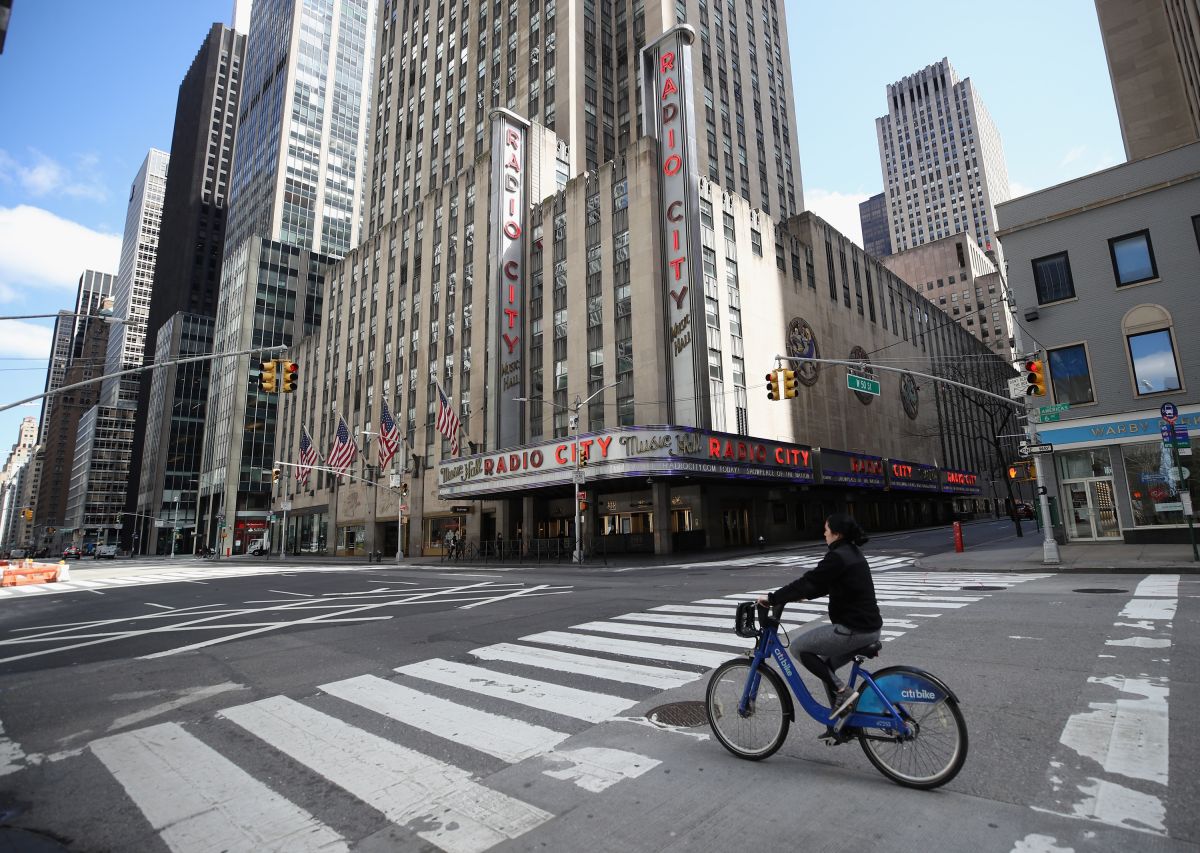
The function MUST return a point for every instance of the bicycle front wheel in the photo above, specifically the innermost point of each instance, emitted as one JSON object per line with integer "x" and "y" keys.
{"x": 934, "y": 749}
{"x": 763, "y": 728}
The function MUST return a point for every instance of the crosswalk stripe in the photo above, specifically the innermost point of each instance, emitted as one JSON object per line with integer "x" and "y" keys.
{"x": 697, "y": 621}
{"x": 506, "y": 738}
{"x": 556, "y": 698}
{"x": 712, "y": 638}
{"x": 458, "y": 814}
{"x": 199, "y": 801}
{"x": 629, "y": 648}
{"x": 607, "y": 669}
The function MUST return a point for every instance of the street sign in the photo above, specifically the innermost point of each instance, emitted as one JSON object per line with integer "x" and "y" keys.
{"x": 863, "y": 384}
{"x": 1049, "y": 417}
{"x": 1169, "y": 412}
{"x": 1036, "y": 449}
{"x": 286, "y": 506}
{"x": 1016, "y": 387}
{"x": 404, "y": 507}
{"x": 1050, "y": 410}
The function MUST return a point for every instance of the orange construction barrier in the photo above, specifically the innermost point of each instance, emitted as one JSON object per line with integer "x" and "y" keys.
{"x": 29, "y": 572}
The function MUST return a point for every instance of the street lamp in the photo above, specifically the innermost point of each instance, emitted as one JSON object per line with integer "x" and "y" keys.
{"x": 175, "y": 519}
{"x": 580, "y": 477}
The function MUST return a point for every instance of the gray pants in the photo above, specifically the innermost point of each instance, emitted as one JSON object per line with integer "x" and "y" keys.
{"x": 835, "y": 643}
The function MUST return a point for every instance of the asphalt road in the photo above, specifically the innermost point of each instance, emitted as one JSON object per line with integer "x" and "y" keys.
{"x": 267, "y": 712}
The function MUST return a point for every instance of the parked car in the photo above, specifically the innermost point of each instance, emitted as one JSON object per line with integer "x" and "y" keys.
{"x": 17, "y": 554}
{"x": 72, "y": 552}
{"x": 1025, "y": 510}
{"x": 107, "y": 552}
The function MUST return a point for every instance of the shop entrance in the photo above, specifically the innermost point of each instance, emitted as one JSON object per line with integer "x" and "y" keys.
{"x": 736, "y": 523}
{"x": 1091, "y": 510}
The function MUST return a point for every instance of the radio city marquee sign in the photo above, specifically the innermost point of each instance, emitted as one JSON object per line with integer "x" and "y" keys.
{"x": 631, "y": 451}
{"x": 913, "y": 476}
{"x": 851, "y": 469}
{"x": 507, "y": 291}
{"x": 668, "y": 115}
{"x": 960, "y": 482}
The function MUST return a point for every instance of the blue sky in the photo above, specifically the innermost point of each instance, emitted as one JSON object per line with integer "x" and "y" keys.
{"x": 88, "y": 88}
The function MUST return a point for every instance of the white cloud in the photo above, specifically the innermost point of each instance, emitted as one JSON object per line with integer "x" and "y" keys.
{"x": 839, "y": 209}
{"x": 1073, "y": 154}
{"x": 1016, "y": 189}
{"x": 41, "y": 250}
{"x": 25, "y": 340}
{"x": 45, "y": 176}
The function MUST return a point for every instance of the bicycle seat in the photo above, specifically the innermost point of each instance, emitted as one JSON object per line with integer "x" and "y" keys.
{"x": 871, "y": 651}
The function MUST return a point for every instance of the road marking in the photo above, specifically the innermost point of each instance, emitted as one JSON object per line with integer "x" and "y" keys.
{"x": 199, "y": 801}
{"x": 696, "y": 621}
{"x": 185, "y": 697}
{"x": 712, "y": 638}
{"x": 443, "y": 803}
{"x": 162, "y": 606}
{"x": 595, "y": 769}
{"x": 630, "y": 648}
{"x": 605, "y": 668}
{"x": 556, "y": 698}
{"x": 506, "y": 738}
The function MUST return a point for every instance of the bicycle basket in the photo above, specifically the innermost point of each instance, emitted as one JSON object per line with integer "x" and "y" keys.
{"x": 743, "y": 624}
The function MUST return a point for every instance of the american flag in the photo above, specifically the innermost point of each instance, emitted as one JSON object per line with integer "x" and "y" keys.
{"x": 343, "y": 451}
{"x": 448, "y": 423}
{"x": 308, "y": 458}
{"x": 389, "y": 437}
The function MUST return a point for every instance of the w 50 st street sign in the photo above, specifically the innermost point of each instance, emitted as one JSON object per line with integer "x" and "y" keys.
{"x": 863, "y": 384}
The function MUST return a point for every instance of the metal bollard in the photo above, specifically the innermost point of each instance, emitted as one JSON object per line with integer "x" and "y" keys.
{"x": 958, "y": 539}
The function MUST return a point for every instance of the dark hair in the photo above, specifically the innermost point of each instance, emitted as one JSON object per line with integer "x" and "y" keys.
{"x": 847, "y": 527}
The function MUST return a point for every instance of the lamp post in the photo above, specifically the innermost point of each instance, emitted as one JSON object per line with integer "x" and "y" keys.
{"x": 175, "y": 519}
{"x": 580, "y": 477}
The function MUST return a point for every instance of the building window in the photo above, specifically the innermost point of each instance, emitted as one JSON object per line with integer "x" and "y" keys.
{"x": 1052, "y": 277}
{"x": 756, "y": 242}
{"x": 1153, "y": 358}
{"x": 1069, "y": 375}
{"x": 1133, "y": 258}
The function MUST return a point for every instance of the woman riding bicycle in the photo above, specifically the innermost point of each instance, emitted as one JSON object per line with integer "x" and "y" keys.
{"x": 843, "y": 575}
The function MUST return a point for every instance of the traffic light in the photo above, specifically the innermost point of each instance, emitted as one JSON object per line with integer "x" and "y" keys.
{"x": 290, "y": 376}
{"x": 404, "y": 490}
{"x": 774, "y": 392}
{"x": 791, "y": 385}
{"x": 1021, "y": 472}
{"x": 275, "y": 475}
{"x": 267, "y": 380}
{"x": 582, "y": 501}
{"x": 27, "y": 514}
{"x": 1035, "y": 375}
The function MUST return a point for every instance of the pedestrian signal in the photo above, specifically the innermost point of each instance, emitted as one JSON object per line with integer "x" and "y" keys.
{"x": 267, "y": 378}
{"x": 1035, "y": 375}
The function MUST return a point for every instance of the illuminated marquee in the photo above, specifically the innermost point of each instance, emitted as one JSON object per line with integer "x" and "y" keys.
{"x": 508, "y": 279}
{"x": 668, "y": 115}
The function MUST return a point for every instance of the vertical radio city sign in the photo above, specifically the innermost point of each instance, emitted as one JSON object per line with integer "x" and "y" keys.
{"x": 507, "y": 290}
{"x": 668, "y": 114}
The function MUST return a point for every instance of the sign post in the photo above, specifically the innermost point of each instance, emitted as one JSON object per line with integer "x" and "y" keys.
{"x": 1170, "y": 413}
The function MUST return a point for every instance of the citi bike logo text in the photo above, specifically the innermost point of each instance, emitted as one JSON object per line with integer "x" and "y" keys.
{"x": 917, "y": 693}
{"x": 784, "y": 663}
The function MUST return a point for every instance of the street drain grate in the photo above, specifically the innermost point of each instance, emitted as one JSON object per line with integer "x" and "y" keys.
{"x": 682, "y": 714}
{"x": 1099, "y": 589}
{"x": 983, "y": 588}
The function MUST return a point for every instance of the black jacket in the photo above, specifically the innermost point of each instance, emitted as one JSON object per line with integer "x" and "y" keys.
{"x": 843, "y": 575}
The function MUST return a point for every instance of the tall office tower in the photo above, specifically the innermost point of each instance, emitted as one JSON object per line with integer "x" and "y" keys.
{"x": 187, "y": 281}
{"x": 941, "y": 158}
{"x": 1154, "y": 62}
{"x": 135, "y": 277}
{"x": 873, "y": 218}
{"x": 11, "y": 485}
{"x": 294, "y": 203}
{"x": 95, "y": 294}
{"x": 56, "y": 451}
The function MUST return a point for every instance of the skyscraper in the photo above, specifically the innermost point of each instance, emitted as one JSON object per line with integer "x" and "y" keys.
{"x": 13, "y": 478}
{"x": 1153, "y": 51}
{"x": 872, "y": 216}
{"x": 294, "y": 203}
{"x": 135, "y": 278}
{"x": 941, "y": 159}
{"x": 186, "y": 284}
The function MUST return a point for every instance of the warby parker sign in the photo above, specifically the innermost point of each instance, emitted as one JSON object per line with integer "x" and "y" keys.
{"x": 668, "y": 115}
{"x": 507, "y": 296}
{"x": 631, "y": 451}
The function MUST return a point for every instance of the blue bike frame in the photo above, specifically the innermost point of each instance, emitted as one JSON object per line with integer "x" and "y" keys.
{"x": 886, "y": 718}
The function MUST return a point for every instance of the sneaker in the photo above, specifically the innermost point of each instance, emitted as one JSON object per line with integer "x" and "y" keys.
{"x": 843, "y": 700}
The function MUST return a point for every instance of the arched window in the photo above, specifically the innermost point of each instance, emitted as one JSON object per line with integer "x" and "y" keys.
{"x": 1150, "y": 344}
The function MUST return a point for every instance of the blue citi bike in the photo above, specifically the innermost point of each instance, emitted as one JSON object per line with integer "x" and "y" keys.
{"x": 907, "y": 721}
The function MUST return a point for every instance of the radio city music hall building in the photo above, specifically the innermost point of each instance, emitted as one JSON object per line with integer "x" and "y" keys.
{"x": 645, "y": 299}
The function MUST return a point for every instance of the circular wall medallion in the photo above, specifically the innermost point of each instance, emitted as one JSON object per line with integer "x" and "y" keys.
{"x": 910, "y": 395}
{"x": 860, "y": 355}
{"x": 802, "y": 343}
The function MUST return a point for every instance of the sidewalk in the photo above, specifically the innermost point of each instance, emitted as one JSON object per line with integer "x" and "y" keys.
{"x": 1026, "y": 556}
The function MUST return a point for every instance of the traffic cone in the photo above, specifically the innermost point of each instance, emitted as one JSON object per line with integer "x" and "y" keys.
{"x": 64, "y": 571}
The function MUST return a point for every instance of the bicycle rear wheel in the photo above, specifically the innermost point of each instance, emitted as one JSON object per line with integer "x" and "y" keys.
{"x": 763, "y": 729}
{"x": 935, "y": 748}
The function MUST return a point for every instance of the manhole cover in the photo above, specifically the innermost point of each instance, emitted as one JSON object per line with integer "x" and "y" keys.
{"x": 983, "y": 588}
{"x": 683, "y": 714}
{"x": 1099, "y": 589}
